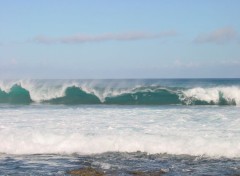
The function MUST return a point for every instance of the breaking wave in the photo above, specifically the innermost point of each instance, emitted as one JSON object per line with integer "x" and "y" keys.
{"x": 26, "y": 92}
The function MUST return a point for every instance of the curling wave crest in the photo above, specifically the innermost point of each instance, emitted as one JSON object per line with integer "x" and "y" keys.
{"x": 76, "y": 92}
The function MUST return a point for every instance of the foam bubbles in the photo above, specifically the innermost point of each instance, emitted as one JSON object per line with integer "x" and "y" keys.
{"x": 212, "y": 131}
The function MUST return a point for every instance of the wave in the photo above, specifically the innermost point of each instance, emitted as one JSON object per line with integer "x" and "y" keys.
{"x": 16, "y": 95}
{"x": 76, "y": 93}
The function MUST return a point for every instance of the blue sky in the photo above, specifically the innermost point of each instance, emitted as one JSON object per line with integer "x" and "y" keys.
{"x": 119, "y": 39}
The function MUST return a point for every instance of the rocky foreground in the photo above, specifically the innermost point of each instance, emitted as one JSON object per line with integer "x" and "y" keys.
{"x": 93, "y": 172}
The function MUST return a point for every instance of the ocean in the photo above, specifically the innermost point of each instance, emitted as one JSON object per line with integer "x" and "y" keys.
{"x": 120, "y": 127}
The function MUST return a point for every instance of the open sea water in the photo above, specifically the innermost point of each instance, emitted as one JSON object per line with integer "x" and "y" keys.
{"x": 177, "y": 126}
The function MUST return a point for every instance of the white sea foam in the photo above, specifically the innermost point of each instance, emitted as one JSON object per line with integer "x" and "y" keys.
{"x": 30, "y": 143}
{"x": 212, "y": 131}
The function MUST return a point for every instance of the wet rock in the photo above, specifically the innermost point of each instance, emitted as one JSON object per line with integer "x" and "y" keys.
{"x": 86, "y": 172}
{"x": 141, "y": 173}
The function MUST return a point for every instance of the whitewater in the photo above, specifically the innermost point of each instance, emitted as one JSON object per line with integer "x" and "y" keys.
{"x": 181, "y": 126}
{"x": 211, "y": 131}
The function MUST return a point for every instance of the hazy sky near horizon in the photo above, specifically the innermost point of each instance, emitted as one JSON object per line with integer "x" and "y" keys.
{"x": 119, "y": 39}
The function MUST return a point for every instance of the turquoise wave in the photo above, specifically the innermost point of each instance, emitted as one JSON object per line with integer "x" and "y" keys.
{"x": 74, "y": 95}
{"x": 140, "y": 96}
{"x": 159, "y": 97}
{"x": 16, "y": 95}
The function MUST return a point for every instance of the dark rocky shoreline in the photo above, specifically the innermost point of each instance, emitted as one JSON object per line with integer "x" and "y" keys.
{"x": 89, "y": 171}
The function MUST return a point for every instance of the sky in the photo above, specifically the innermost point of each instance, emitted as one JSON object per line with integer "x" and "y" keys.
{"x": 93, "y": 39}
